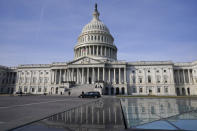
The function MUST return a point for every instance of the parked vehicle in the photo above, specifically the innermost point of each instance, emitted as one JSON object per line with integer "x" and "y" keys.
{"x": 92, "y": 94}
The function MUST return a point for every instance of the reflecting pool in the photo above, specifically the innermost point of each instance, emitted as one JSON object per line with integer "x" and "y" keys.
{"x": 168, "y": 114}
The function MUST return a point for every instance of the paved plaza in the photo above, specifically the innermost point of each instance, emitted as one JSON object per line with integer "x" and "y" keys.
{"x": 16, "y": 110}
{"x": 109, "y": 113}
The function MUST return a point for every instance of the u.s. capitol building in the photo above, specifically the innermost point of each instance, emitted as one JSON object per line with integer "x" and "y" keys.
{"x": 95, "y": 67}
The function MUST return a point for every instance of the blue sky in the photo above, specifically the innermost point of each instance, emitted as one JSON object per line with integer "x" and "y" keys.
{"x": 45, "y": 31}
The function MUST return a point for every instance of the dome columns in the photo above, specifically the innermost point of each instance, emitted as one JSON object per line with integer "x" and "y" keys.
{"x": 96, "y": 50}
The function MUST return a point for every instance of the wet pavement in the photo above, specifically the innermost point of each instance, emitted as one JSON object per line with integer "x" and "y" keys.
{"x": 16, "y": 110}
{"x": 114, "y": 114}
{"x": 103, "y": 115}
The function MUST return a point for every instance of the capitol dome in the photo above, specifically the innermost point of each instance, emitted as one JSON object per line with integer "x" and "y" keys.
{"x": 95, "y": 40}
{"x": 95, "y": 25}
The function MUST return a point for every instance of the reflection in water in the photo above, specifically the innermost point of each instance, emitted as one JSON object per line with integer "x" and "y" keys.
{"x": 141, "y": 113}
{"x": 104, "y": 114}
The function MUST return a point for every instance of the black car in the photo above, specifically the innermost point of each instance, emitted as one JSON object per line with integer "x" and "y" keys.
{"x": 92, "y": 94}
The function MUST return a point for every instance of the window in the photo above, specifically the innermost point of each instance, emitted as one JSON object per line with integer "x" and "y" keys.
{"x": 164, "y": 70}
{"x": 134, "y": 90}
{"x": 41, "y": 73}
{"x": 39, "y": 89}
{"x": 166, "y": 89}
{"x": 141, "y": 89}
{"x": 34, "y": 79}
{"x": 22, "y": 80}
{"x": 157, "y": 71}
{"x": 45, "y": 80}
{"x": 47, "y": 72}
{"x": 143, "y": 109}
{"x": 133, "y": 71}
{"x": 32, "y": 89}
{"x": 148, "y": 71}
{"x": 149, "y": 79}
{"x": 45, "y": 89}
{"x": 158, "y": 79}
{"x": 25, "y": 89}
{"x": 140, "y": 71}
{"x": 40, "y": 80}
{"x": 158, "y": 89}
{"x": 133, "y": 79}
{"x": 140, "y": 79}
{"x": 152, "y": 110}
{"x": 166, "y": 79}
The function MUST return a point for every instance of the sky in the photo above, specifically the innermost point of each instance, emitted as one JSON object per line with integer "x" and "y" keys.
{"x": 46, "y": 31}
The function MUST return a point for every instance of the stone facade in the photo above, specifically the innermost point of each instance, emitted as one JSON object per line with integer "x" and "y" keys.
{"x": 95, "y": 67}
{"x": 7, "y": 80}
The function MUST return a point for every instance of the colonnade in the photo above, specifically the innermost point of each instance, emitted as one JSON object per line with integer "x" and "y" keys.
{"x": 89, "y": 75}
{"x": 96, "y": 50}
{"x": 95, "y": 38}
{"x": 183, "y": 76}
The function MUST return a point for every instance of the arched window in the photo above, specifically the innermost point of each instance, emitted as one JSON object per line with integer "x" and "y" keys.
{"x": 165, "y": 78}
{"x": 88, "y": 38}
{"x": 149, "y": 79}
{"x": 158, "y": 78}
{"x": 91, "y": 37}
{"x": 102, "y": 38}
{"x": 94, "y": 37}
{"x": 99, "y": 37}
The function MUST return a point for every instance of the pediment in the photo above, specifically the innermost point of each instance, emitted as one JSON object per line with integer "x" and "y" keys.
{"x": 85, "y": 60}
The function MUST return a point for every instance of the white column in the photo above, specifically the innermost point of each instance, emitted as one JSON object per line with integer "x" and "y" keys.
{"x": 77, "y": 75}
{"x": 86, "y": 50}
{"x": 172, "y": 76}
{"x": 101, "y": 52}
{"x": 109, "y": 75}
{"x": 51, "y": 77}
{"x": 97, "y": 50}
{"x": 179, "y": 80}
{"x": 104, "y": 74}
{"x": 93, "y": 50}
{"x": 90, "y": 50}
{"x": 88, "y": 73}
{"x": 105, "y": 51}
{"x": 125, "y": 77}
{"x": 114, "y": 75}
{"x": 60, "y": 77}
{"x": 184, "y": 76}
{"x": 82, "y": 75}
{"x": 55, "y": 76}
{"x": 81, "y": 52}
{"x": 93, "y": 75}
{"x": 66, "y": 74}
{"x": 98, "y": 74}
{"x": 72, "y": 74}
{"x": 119, "y": 75}
{"x": 189, "y": 76}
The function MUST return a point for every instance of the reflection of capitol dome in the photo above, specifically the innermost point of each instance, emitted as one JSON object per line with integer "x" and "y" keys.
{"x": 96, "y": 41}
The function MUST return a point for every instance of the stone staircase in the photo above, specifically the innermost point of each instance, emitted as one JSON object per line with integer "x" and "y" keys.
{"x": 77, "y": 89}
